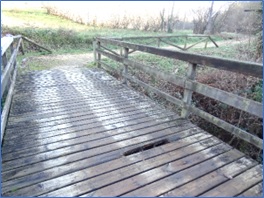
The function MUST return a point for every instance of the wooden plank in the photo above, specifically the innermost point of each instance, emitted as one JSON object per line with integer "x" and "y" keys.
{"x": 187, "y": 95}
{"x": 89, "y": 115}
{"x": 238, "y": 184}
{"x": 94, "y": 140}
{"x": 62, "y": 181}
{"x": 247, "y": 68}
{"x": 123, "y": 174}
{"x": 169, "y": 43}
{"x": 142, "y": 172}
{"x": 211, "y": 180}
{"x": 105, "y": 145}
{"x": 231, "y": 99}
{"x": 195, "y": 44}
{"x": 34, "y": 43}
{"x": 135, "y": 122}
{"x": 75, "y": 128}
{"x": 113, "y": 52}
{"x": 175, "y": 178}
{"x": 213, "y": 41}
{"x": 258, "y": 142}
{"x": 105, "y": 153}
{"x": 255, "y": 191}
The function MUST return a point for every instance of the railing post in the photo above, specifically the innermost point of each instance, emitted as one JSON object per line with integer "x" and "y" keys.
{"x": 158, "y": 42}
{"x": 98, "y": 55}
{"x": 4, "y": 60}
{"x": 185, "y": 43}
{"x": 125, "y": 65}
{"x": 205, "y": 46}
{"x": 187, "y": 96}
{"x": 12, "y": 50}
{"x": 94, "y": 50}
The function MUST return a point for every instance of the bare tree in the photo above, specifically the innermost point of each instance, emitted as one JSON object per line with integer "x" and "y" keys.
{"x": 170, "y": 20}
{"x": 209, "y": 27}
{"x": 162, "y": 19}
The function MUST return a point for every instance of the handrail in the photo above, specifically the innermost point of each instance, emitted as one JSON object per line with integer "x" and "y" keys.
{"x": 160, "y": 38}
{"x": 9, "y": 73}
{"x": 188, "y": 83}
{"x": 8, "y": 79}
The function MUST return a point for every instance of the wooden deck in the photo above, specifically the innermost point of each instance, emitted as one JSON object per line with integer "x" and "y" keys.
{"x": 80, "y": 132}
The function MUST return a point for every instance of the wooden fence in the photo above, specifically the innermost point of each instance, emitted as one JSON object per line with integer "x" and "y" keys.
{"x": 9, "y": 74}
{"x": 10, "y": 45}
{"x": 188, "y": 82}
{"x": 158, "y": 40}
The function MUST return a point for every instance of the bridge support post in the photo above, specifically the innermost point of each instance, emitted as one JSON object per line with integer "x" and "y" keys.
{"x": 98, "y": 55}
{"x": 158, "y": 42}
{"x": 187, "y": 96}
{"x": 125, "y": 65}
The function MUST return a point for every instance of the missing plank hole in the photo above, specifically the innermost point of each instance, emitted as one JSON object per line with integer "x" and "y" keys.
{"x": 146, "y": 147}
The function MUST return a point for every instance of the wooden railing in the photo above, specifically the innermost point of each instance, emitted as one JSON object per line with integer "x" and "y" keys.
{"x": 10, "y": 45}
{"x": 9, "y": 73}
{"x": 188, "y": 83}
{"x": 158, "y": 40}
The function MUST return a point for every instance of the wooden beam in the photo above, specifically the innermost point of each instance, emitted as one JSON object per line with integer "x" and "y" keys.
{"x": 195, "y": 44}
{"x": 98, "y": 54}
{"x": 187, "y": 95}
{"x": 153, "y": 37}
{"x": 244, "y": 104}
{"x": 34, "y": 43}
{"x": 247, "y": 68}
{"x": 169, "y": 43}
{"x": 228, "y": 127}
{"x": 125, "y": 65}
{"x": 213, "y": 41}
{"x": 113, "y": 52}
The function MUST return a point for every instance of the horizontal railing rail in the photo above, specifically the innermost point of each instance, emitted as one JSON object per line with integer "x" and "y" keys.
{"x": 8, "y": 76}
{"x": 161, "y": 39}
{"x": 188, "y": 83}
{"x": 9, "y": 72}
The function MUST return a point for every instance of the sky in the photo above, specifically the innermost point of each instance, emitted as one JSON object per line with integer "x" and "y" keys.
{"x": 105, "y": 9}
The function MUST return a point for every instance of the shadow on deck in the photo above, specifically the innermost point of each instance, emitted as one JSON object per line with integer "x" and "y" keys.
{"x": 81, "y": 132}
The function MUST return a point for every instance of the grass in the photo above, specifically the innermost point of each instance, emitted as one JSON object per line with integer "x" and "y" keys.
{"x": 65, "y": 36}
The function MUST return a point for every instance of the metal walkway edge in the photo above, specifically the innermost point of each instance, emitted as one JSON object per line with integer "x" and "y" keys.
{"x": 80, "y": 132}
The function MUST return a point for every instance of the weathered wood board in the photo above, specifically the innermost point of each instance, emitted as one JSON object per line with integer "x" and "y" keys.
{"x": 80, "y": 132}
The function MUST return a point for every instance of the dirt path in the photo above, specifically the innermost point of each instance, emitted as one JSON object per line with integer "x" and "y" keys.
{"x": 57, "y": 61}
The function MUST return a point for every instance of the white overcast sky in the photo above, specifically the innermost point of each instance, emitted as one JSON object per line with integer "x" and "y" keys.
{"x": 129, "y": 7}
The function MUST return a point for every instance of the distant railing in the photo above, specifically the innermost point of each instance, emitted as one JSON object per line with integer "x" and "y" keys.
{"x": 188, "y": 83}
{"x": 10, "y": 45}
{"x": 158, "y": 40}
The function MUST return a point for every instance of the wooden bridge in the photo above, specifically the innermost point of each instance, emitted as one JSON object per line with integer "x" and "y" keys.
{"x": 81, "y": 132}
